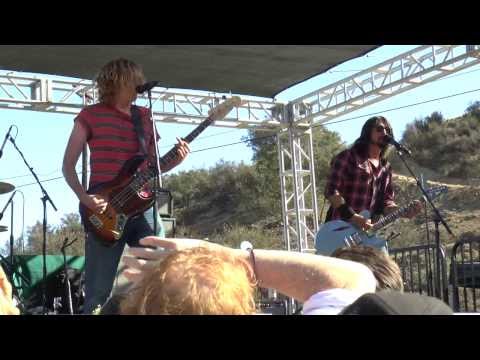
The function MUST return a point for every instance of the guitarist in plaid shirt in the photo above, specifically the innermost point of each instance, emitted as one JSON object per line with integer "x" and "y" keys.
{"x": 361, "y": 178}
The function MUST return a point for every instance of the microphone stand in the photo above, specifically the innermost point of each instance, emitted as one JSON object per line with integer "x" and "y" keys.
{"x": 157, "y": 170}
{"x": 68, "y": 290}
{"x": 437, "y": 219}
{"x": 44, "y": 199}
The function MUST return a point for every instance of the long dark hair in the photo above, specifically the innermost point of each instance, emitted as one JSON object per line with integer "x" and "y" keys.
{"x": 362, "y": 143}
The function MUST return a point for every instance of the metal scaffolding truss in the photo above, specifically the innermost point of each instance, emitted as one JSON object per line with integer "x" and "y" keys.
{"x": 404, "y": 72}
{"x": 399, "y": 74}
{"x": 297, "y": 186}
{"x": 54, "y": 94}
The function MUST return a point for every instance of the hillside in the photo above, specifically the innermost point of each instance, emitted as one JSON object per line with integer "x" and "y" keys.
{"x": 460, "y": 208}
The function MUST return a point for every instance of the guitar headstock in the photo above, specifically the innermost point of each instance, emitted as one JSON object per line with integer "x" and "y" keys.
{"x": 220, "y": 111}
{"x": 436, "y": 191}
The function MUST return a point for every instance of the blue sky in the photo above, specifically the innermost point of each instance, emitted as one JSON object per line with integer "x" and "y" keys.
{"x": 43, "y": 137}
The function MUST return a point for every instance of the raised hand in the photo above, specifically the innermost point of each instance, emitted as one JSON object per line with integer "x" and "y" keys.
{"x": 414, "y": 210}
{"x": 139, "y": 259}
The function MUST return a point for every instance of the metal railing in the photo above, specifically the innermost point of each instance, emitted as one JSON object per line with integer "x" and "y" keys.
{"x": 465, "y": 275}
{"x": 421, "y": 272}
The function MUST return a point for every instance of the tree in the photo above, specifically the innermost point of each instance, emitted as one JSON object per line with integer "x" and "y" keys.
{"x": 326, "y": 144}
{"x": 448, "y": 147}
{"x": 70, "y": 227}
{"x": 435, "y": 118}
{"x": 473, "y": 109}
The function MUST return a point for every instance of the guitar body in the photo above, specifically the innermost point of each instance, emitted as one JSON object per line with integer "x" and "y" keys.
{"x": 338, "y": 233}
{"x": 109, "y": 226}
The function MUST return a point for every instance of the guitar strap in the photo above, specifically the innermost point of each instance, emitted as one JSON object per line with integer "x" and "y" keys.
{"x": 328, "y": 217}
{"x": 380, "y": 203}
{"x": 137, "y": 123}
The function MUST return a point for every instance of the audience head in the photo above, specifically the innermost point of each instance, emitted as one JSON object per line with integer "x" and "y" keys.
{"x": 396, "y": 303}
{"x": 194, "y": 282}
{"x": 386, "y": 271}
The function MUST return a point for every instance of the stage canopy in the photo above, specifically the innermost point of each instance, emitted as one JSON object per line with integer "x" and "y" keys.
{"x": 258, "y": 70}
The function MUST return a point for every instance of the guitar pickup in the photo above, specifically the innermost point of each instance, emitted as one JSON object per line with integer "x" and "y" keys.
{"x": 95, "y": 221}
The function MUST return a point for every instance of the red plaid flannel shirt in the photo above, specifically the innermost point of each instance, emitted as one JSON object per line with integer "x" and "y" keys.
{"x": 353, "y": 176}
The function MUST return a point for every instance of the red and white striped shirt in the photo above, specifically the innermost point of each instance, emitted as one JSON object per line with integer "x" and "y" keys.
{"x": 112, "y": 139}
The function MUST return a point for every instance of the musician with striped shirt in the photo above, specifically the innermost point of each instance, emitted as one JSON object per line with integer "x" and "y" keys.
{"x": 108, "y": 129}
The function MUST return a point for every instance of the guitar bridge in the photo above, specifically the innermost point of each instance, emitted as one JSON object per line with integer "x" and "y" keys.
{"x": 119, "y": 226}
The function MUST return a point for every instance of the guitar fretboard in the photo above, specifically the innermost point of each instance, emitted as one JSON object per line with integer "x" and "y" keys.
{"x": 392, "y": 217}
{"x": 172, "y": 154}
{"x": 148, "y": 175}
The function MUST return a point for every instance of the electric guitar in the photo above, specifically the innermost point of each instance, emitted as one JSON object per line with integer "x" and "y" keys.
{"x": 338, "y": 233}
{"x": 127, "y": 193}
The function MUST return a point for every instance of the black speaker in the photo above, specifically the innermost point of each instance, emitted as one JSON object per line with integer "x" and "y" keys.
{"x": 164, "y": 203}
{"x": 169, "y": 225}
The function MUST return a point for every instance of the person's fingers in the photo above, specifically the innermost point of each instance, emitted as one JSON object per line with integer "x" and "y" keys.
{"x": 133, "y": 275}
{"x": 147, "y": 254}
{"x": 155, "y": 241}
{"x": 183, "y": 144}
{"x": 133, "y": 262}
{"x": 185, "y": 147}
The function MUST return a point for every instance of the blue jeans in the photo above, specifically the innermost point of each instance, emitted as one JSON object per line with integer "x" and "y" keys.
{"x": 101, "y": 262}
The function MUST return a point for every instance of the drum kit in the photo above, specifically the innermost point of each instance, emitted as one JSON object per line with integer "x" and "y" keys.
{"x": 74, "y": 283}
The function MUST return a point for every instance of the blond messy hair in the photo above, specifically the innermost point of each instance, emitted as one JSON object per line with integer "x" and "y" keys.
{"x": 194, "y": 282}
{"x": 115, "y": 74}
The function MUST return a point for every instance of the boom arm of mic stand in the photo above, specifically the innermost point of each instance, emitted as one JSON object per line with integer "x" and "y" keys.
{"x": 12, "y": 270}
{"x": 44, "y": 192}
{"x": 66, "y": 244}
{"x": 6, "y": 205}
{"x": 419, "y": 185}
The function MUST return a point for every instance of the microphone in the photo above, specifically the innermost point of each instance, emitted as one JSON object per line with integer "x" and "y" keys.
{"x": 147, "y": 86}
{"x": 390, "y": 140}
{"x": 5, "y": 140}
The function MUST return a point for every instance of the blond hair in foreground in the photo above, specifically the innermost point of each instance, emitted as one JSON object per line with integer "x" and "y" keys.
{"x": 194, "y": 282}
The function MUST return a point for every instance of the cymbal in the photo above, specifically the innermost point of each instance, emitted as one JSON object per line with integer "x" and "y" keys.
{"x": 6, "y": 187}
{"x": 3, "y": 228}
